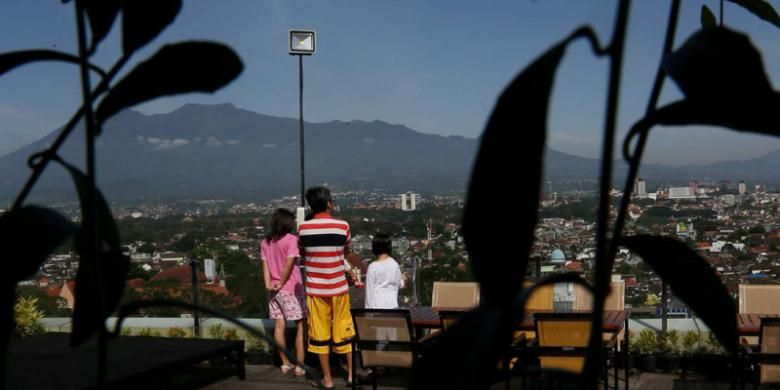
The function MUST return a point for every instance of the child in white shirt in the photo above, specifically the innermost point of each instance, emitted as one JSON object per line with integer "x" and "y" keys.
{"x": 383, "y": 278}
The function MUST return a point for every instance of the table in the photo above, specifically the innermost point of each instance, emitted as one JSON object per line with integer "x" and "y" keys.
{"x": 428, "y": 317}
{"x": 749, "y": 324}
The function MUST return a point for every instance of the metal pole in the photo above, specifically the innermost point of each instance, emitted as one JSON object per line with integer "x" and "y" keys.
{"x": 664, "y": 315}
{"x": 195, "y": 316}
{"x": 300, "y": 116}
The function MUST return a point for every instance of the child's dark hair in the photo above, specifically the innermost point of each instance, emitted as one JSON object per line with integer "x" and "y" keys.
{"x": 318, "y": 199}
{"x": 282, "y": 222}
{"x": 381, "y": 244}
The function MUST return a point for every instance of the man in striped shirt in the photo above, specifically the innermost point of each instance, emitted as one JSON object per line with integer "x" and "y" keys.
{"x": 324, "y": 241}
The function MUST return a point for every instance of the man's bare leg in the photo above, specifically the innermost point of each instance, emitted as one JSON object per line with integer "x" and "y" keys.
{"x": 327, "y": 380}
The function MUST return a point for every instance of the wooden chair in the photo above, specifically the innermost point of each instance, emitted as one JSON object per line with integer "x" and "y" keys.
{"x": 541, "y": 298}
{"x": 562, "y": 341}
{"x": 455, "y": 294}
{"x": 768, "y": 357}
{"x": 383, "y": 338}
{"x": 759, "y": 299}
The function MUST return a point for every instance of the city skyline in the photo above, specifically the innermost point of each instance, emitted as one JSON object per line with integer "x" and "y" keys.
{"x": 434, "y": 69}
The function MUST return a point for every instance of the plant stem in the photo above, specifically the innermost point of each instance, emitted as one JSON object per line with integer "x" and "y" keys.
{"x": 636, "y": 157}
{"x": 51, "y": 151}
{"x": 89, "y": 219}
{"x": 603, "y": 265}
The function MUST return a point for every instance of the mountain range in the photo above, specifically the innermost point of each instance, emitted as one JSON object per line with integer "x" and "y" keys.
{"x": 223, "y": 151}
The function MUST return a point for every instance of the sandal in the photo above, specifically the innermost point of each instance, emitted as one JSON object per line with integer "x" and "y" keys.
{"x": 285, "y": 369}
{"x": 319, "y": 386}
{"x": 299, "y": 371}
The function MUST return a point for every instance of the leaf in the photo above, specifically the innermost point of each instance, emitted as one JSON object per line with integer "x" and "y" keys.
{"x": 101, "y": 15}
{"x": 718, "y": 65}
{"x": 97, "y": 295}
{"x": 143, "y": 20}
{"x": 760, "y": 8}
{"x": 178, "y": 68}
{"x": 498, "y": 236}
{"x": 753, "y": 115}
{"x": 689, "y": 275}
{"x": 11, "y": 60}
{"x": 722, "y": 76}
{"x": 30, "y": 234}
{"x": 707, "y": 17}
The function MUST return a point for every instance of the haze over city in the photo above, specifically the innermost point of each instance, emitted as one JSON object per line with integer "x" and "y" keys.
{"x": 434, "y": 69}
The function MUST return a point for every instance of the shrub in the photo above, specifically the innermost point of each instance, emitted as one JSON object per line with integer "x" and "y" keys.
{"x": 230, "y": 334}
{"x": 216, "y": 331}
{"x": 27, "y": 317}
{"x": 177, "y": 332}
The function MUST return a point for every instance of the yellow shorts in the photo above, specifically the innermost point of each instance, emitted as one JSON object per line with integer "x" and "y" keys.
{"x": 330, "y": 324}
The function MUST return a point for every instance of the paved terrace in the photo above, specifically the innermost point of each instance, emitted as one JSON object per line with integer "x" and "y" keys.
{"x": 269, "y": 377}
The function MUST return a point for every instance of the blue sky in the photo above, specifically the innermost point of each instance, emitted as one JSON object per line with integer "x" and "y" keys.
{"x": 434, "y": 66}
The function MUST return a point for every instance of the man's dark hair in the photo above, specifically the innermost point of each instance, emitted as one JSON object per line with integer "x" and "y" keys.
{"x": 381, "y": 244}
{"x": 318, "y": 199}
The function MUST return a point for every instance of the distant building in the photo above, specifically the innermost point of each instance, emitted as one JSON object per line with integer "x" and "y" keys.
{"x": 409, "y": 201}
{"x": 640, "y": 188}
{"x": 557, "y": 257}
{"x": 742, "y": 188}
{"x": 681, "y": 193}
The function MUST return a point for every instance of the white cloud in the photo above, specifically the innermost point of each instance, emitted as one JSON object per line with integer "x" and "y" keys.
{"x": 213, "y": 141}
{"x": 233, "y": 142}
{"x": 270, "y": 145}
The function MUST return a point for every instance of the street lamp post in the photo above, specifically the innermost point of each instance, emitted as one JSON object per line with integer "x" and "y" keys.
{"x": 302, "y": 43}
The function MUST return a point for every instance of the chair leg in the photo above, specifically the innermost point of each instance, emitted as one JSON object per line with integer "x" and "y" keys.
{"x": 354, "y": 367}
{"x": 373, "y": 379}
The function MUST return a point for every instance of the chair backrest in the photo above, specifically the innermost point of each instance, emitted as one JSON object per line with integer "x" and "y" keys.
{"x": 616, "y": 300}
{"x": 384, "y": 337}
{"x": 563, "y": 340}
{"x": 449, "y": 317}
{"x": 769, "y": 338}
{"x": 541, "y": 298}
{"x": 759, "y": 298}
{"x": 455, "y": 294}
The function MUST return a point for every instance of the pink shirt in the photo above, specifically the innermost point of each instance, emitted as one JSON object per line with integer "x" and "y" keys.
{"x": 275, "y": 255}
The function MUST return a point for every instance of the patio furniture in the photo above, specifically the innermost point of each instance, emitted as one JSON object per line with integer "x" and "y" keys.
{"x": 562, "y": 340}
{"x": 767, "y": 359}
{"x": 616, "y": 300}
{"x": 455, "y": 294}
{"x": 449, "y": 317}
{"x": 760, "y": 299}
{"x": 383, "y": 338}
{"x": 540, "y": 299}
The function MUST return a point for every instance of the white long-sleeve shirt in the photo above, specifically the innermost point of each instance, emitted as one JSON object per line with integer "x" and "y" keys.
{"x": 383, "y": 280}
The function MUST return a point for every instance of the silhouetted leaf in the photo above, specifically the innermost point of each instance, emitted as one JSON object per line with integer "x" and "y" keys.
{"x": 11, "y": 60}
{"x": 143, "y": 20}
{"x": 758, "y": 116}
{"x": 692, "y": 280}
{"x": 175, "y": 69}
{"x": 101, "y": 15}
{"x": 498, "y": 235}
{"x": 760, "y": 8}
{"x": 466, "y": 355}
{"x": 718, "y": 65}
{"x": 707, "y": 17}
{"x": 30, "y": 234}
{"x": 94, "y": 290}
{"x": 722, "y": 76}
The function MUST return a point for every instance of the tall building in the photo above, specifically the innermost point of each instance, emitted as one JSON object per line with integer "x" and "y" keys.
{"x": 694, "y": 186}
{"x": 640, "y": 188}
{"x": 681, "y": 193}
{"x": 742, "y": 187}
{"x": 409, "y": 201}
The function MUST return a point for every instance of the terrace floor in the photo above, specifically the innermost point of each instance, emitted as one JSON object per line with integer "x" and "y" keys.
{"x": 269, "y": 377}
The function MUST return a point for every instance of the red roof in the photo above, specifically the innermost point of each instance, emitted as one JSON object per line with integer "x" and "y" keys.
{"x": 53, "y": 292}
{"x": 136, "y": 283}
{"x": 182, "y": 273}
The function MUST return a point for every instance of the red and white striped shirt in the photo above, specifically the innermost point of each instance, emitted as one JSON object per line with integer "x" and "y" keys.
{"x": 324, "y": 239}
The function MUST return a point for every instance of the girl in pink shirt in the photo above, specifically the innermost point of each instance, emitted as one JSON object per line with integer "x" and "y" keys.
{"x": 286, "y": 299}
